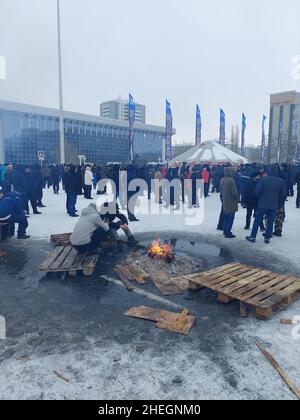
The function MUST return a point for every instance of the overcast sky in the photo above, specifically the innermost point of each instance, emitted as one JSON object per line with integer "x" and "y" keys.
{"x": 218, "y": 53}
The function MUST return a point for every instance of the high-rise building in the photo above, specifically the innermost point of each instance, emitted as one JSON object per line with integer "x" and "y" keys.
{"x": 284, "y": 130}
{"x": 118, "y": 109}
{"x": 27, "y": 132}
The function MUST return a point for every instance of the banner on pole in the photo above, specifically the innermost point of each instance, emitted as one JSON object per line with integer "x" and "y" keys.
{"x": 198, "y": 126}
{"x": 222, "y": 127}
{"x": 244, "y": 126}
{"x": 263, "y": 140}
{"x": 169, "y": 131}
{"x": 131, "y": 118}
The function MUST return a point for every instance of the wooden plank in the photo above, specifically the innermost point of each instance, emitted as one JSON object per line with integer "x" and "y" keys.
{"x": 90, "y": 261}
{"x": 124, "y": 280}
{"x": 228, "y": 268}
{"x": 164, "y": 284}
{"x": 266, "y": 294}
{"x": 227, "y": 280}
{"x": 242, "y": 292}
{"x": 182, "y": 325}
{"x": 280, "y": 371}
{"x": 265, "y": 291}
{"x": 185, "y": 283}
{"x": 150, "y": 314}
{"x": 242, "y": 282}
{"x": 69, "y": 261}
{"x": 89, "y": 264}
{"x": 286, "y": 321}
{"x": 59, "y": 260}
{"x": 233, "y": 283}
{"x": 207, "y": 281}
{"x": 51, "y": 257}
{"x": 280, "y": 297}
{"x": 78, "y": 262}
{"x": 138, "y": 271}
{"x": 170, "y": 321}
{"x": 124, "y": 270}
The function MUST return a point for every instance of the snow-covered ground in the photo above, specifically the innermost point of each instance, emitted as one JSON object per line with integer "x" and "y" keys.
{"x": 225, "y": 364}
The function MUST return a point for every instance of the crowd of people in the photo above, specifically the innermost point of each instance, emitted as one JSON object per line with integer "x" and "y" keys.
{"x": 261, "y": 189}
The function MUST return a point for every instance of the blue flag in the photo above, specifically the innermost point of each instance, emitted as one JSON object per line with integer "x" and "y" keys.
{"x": 169, "y": 131}
{"x": 244, "y": 125}
{"x": 198, "y": 126}
{"x": 222, "y": 127}
{"x": 263, "y": 140}
{"x": 131, "y": 118}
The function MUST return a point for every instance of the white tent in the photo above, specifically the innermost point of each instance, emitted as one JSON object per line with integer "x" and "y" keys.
{"x": 210, "y": 152}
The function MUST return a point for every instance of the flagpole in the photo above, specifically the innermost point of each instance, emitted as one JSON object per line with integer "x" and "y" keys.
{"x": 60, "y": 87}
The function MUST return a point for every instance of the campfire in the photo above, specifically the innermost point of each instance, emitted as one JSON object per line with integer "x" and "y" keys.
{"x": 158, "y": 251}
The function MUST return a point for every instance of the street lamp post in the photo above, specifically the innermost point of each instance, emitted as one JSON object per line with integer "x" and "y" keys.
{"x": 61, "y": 104}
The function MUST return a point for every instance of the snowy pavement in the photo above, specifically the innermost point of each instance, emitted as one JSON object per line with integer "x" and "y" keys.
{"x": 78, "y": 329}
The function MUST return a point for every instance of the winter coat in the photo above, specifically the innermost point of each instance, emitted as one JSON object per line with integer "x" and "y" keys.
{"x": 250, "y": 198}
{"x": 88, "y": 223}
{"x": 18, "y": 203}
{"x": 6, "y": 209}
{"x": 205, "y": 176}
{"x": 88, "y": 177}
{"x": 71, "y": 183}
{"x": 271, "y": 192}
{"x": 229, "y": 192}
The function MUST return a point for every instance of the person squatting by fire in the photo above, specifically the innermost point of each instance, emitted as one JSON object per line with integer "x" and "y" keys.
{"x": 99, "y": 223}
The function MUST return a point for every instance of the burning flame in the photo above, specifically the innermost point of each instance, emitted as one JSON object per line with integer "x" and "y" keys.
{"x": 159, "y": 250}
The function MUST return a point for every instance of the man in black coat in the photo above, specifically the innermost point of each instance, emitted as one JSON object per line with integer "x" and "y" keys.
{"x": 71, "y": 189}
{"x": 55, "y": 176}
{"x": 250, "y": 199}
{"x": 271, "y": 192}
{"x": 30, "y": 191}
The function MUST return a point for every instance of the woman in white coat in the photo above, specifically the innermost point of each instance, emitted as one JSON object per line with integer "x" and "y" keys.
{"x": 88, "y": 183}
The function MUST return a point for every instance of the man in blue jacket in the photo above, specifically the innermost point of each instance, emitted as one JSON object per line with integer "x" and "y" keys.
{"x": 272, "y": 193}
{"x": 12, "y": 211}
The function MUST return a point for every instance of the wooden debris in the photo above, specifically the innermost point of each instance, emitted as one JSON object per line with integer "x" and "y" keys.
{"x": 182, "y": 325}
{"x": 185, "y": 282}
{"x": 60, "y": 376}
{"x": 281, "y": 372}
{"x": 124, "y": 279}
{"x": 23, "y": 358}
{"x": 286, "y": 321}
{"x": 170, "y": 321}
{"x": 164, "y": 284}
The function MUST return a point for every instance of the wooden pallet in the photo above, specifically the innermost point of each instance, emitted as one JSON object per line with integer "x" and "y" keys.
{"x": 66, "y": 259}
{"x": 62, "y": 239}
{"x": 264, "y": 290}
